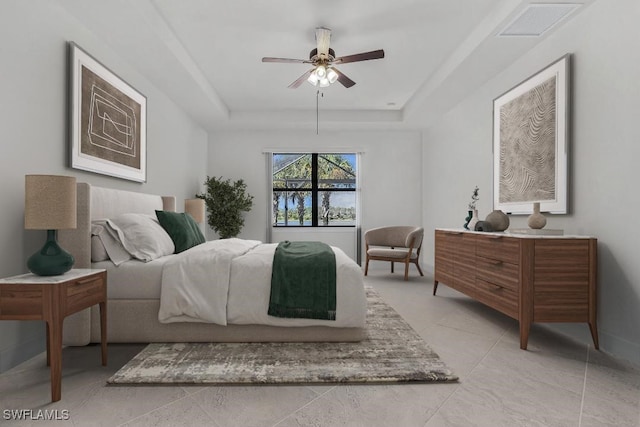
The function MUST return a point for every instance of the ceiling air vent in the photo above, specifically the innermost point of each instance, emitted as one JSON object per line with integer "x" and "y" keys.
{"x": 538, "y": 18}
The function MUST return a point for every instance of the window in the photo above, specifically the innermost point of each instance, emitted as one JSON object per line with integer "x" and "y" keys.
{"x": 314, "y": 190}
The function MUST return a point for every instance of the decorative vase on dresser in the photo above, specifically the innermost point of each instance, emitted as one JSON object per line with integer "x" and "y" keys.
{"x": 474, "y": 220}
{"x": 499, "y": 220}
{"x": 536, "y": 220}
{"x": 467, "y": 219}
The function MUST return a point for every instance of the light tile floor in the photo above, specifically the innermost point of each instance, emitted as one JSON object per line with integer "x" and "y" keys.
{"x": 556, "y": 382}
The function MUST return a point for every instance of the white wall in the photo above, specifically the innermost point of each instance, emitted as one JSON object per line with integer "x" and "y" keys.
{"x": 33, "y": 119}
{"x": 390, "y": 170}
{"x": 604, "y": 153}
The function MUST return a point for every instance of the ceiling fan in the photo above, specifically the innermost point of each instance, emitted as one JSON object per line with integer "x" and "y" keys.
{"x": 323, "y": 59}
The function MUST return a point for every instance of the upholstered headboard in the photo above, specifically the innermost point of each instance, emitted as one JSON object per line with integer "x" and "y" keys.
{"x": 103, "y": 203}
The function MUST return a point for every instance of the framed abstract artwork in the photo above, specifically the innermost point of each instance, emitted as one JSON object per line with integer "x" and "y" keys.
{"x": 530, "y": 142}
{"x": 108, "y": 120}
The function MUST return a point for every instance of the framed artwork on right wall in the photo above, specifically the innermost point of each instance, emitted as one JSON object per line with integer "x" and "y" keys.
{"x": 530, "y": 142}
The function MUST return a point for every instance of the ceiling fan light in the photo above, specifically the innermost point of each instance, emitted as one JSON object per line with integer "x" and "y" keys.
{"x": 324, "y": 82}
{"x": 313, "y": 79}
{"x": 332, "y": 76}
{"x": 321, "y": 71}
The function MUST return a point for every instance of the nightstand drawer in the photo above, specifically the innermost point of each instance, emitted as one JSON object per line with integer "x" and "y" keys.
{"x": 85, "y": 292}
{"x": 21, "y": 302}
{"x": 499, "y": 247}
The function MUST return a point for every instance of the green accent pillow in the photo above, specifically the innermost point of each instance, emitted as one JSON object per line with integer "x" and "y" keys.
{"x": 182, "y": 229}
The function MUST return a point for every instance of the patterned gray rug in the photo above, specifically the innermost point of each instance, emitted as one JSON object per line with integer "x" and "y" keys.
{"x": 392, "y": 353}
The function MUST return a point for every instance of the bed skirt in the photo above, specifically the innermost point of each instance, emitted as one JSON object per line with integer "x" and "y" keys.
{"x": 136, "y": 321}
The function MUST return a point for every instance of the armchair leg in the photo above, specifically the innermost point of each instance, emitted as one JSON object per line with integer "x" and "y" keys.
{"x": 419, "y": 269}
{"x": 392, "y": 266}
{"x": 366, "y": 266}
{"x": 406, "y": 271}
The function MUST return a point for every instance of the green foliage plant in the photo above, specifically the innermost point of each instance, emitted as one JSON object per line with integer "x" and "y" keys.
{"x": 226, "y": 201}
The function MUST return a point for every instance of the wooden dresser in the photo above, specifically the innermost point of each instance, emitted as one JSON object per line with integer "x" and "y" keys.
{"x": 530, "y": 278}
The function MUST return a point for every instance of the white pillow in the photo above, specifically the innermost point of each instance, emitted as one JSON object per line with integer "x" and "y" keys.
{"x": 105, "y": 244}
{"x": 142, "y": 236}
{"x": 98, "y": 251}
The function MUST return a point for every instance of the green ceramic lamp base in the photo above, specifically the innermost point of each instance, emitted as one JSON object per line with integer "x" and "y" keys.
{"x": 51, "y": 260}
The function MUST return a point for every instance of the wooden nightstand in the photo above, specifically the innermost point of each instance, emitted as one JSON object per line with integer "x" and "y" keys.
{"x": 52, "y": 298}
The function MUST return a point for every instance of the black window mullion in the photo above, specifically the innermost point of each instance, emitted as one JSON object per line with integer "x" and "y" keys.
{"x": 314, "y": 190}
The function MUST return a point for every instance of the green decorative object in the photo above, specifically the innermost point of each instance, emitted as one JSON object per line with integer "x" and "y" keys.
{"x": 226, "y": 201}
{"x": 51, "y": 260}
{"x": 467, "y": 219}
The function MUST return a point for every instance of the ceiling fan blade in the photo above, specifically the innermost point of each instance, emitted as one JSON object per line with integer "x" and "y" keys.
{"x": 287, "y": 60}
{"x": 323, "y": 37}
{"x": 365, "y": 56}
{"x": 301, "y": 79}
{"x": 344, "y": 80}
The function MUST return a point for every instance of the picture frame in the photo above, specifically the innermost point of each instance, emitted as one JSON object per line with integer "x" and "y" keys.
{"x": 107, "y": 119}
{"x": 530, "y": 142}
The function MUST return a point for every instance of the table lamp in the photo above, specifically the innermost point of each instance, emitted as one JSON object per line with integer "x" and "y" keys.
{"x": 195, "y": 208}
{"x": 50, "y": 204}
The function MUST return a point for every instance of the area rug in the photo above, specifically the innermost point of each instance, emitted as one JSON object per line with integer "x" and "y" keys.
{"x": 392, "y": 353}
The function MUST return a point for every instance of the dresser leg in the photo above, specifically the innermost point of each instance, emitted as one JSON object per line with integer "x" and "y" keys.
{"x": 524, "y": 334}
{"x": 435, "y": 286}
{"x": 594, "y": 334}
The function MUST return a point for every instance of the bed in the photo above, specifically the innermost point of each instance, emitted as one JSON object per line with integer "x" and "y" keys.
{"x": 135, "y": 287}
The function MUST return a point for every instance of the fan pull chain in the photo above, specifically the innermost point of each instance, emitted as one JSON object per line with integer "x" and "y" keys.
{"x": 318, "y": 94}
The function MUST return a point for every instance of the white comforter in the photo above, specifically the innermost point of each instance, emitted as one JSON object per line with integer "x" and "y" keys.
{"x": 229, "y": 282}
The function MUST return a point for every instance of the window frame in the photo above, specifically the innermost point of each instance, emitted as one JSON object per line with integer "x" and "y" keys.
{"x": 315, "y": 191}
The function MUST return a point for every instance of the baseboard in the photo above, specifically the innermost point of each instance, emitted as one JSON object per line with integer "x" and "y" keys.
{"x": 620, "y": 348}
{"x": 21, "y": 352}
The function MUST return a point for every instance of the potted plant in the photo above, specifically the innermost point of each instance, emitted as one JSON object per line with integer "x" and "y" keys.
{"x": 226, "y": 201}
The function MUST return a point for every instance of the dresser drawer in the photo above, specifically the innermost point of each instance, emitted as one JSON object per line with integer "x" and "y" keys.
{"x": 499, "y": 247}
{"x": 502, "y": 299}
{"x": 498, "y": 272}
{"x": 85, "y": 292}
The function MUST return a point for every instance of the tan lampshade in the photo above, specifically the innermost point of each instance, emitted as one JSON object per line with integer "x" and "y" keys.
{"x": 195, "y": 207}
{"x": 49, "y": 202}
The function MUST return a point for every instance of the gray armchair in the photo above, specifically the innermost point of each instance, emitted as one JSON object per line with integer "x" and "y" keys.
{"x": 394, "y": 244}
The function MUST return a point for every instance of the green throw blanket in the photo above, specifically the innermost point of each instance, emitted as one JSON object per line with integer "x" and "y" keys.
{"x": 303, "y": 281}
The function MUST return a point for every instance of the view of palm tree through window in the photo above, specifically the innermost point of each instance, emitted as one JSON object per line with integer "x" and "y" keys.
{"x": 314, "y": 190}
